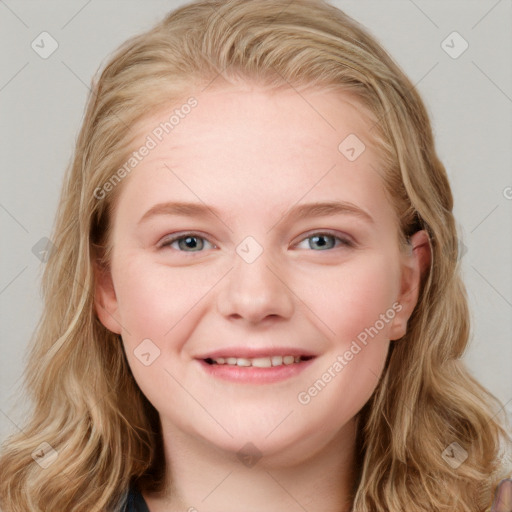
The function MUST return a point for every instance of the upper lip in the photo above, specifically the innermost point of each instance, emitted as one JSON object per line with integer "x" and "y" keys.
{"x": 252, "y": 353}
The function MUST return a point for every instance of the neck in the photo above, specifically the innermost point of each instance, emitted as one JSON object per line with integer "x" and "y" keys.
{"x": 203, "y": 478}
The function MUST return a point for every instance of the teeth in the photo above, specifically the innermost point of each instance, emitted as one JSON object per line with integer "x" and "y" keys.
{"x": 277, "y": 360}
{"x": 259, "y": 362}
{"x": 262, "y": 362}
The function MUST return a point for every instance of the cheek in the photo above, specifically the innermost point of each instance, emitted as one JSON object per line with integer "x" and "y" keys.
{"x": 356, "y": 303}
{"x": 353, "y": 299}
{"x": 157, "y": 301}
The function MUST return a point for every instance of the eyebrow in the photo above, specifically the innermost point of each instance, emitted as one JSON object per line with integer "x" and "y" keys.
{"x": 299, "y": 212}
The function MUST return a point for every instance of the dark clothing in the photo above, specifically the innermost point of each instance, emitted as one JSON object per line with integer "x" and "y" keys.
{"x": 135, "y": 502}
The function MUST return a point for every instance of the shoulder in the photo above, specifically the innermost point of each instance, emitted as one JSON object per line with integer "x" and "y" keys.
{"x": 135, "y": 502}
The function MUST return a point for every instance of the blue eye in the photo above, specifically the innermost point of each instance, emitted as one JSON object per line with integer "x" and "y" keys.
{"x": 187, "y": 241}
{"x": 319, "y": 240}
{"x": 192, "y": 242}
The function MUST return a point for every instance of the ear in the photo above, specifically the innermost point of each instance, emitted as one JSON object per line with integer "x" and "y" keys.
{"x": 414, "y": 267}
{"x": 105, "y": 300}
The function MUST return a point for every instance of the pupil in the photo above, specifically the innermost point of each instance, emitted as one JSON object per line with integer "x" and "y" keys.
{"x": 318, "y": 240}
{"x": 190, "y": 242}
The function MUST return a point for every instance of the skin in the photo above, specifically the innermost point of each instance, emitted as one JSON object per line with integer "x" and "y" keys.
{"x": 503, "y": 502}
{"x": 253, "y": 154}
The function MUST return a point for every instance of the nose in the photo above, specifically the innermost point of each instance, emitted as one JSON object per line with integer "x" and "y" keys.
{"x": 254, "y": 292}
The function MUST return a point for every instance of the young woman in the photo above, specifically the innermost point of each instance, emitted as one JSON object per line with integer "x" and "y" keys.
{"x": 255, "y": 301}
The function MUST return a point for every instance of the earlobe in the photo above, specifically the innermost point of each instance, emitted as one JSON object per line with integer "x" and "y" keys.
{"x": 105, "y": 300}
{"x": 414, "y": 267}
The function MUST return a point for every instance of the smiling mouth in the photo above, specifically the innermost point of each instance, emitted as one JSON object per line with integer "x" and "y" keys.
{"x": 258, "y": 362}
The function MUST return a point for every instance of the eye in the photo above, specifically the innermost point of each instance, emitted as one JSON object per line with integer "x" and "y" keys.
{"x": 325, "y": 241}
{"x": 193, "y": 242}
{"x": 186, "y": 242}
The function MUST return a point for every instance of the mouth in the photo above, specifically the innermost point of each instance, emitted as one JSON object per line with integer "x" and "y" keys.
{"x": 255, "y": 366}
{"x": 258, "y": 362}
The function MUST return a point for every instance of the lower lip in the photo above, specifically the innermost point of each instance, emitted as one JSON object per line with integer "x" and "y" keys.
{"x": 253, "y": 374}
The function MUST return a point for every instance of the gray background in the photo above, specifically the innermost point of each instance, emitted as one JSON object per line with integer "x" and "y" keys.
{"x": 469, "y": 99}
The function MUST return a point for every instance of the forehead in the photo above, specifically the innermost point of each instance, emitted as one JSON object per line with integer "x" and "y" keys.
{"x": 309, "y": 115}
{"x": 249, "y": 147}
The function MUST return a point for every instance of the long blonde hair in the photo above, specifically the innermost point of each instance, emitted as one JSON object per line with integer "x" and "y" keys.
{"x": 86, "y": 403}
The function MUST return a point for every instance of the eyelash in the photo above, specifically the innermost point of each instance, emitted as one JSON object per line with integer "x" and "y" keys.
{"x": 345, "y": 242}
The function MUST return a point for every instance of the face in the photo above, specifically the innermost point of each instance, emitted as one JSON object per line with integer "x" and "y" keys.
{"x": 239, "y": 277}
